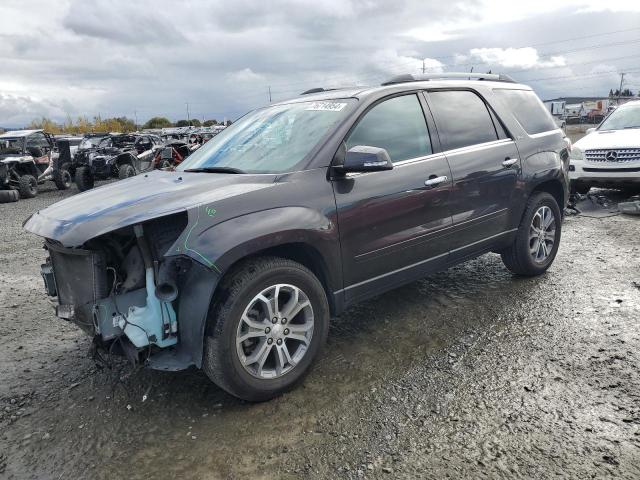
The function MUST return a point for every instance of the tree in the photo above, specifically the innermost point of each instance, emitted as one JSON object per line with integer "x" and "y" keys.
{"x": 182, "y": 123}
{"x": 47, "y": 125}
{"x": 158, "y": 122}
{"x": 209, "y": 123}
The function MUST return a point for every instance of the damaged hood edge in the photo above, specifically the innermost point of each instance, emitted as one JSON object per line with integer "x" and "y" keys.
{"x": 82, "y": 217}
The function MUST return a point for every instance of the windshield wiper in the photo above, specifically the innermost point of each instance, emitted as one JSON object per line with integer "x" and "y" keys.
{"x": 632, "y": 126}
{"x": 214, "y": 170}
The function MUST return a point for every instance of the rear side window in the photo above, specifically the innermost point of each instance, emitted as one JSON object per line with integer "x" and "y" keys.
{"x": 397, "y": 125}
{"x": 528, "y": 110}
{"x": 462, "y": 118}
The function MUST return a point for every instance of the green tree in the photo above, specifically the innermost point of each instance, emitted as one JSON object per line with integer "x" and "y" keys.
{"x": 158, "y": 122}
{"x": 182, "y": 123}
{"x": 209, "y": 123}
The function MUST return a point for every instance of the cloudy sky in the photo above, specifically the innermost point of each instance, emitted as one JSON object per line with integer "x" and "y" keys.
{"x": 152, "y": 57}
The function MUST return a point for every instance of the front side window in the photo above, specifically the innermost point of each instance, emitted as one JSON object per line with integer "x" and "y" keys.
{"x": 274, "y": 139}
{"x": 462, "y": 119}
{"x": 11, "y": 146}
{"x": 528, "y": 110}
{"x": 622, "y": 117}
{"x": 397, "y": 125}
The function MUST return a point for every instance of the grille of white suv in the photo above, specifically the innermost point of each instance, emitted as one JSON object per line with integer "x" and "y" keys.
{"x": 613, "y": 155}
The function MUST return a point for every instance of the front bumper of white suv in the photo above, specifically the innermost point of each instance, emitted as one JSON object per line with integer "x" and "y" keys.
{"x": 615, "y": 168}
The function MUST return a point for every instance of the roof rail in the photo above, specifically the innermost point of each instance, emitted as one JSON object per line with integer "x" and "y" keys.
{"x": 316, "y": 90}
{"x": 494, "y": 77}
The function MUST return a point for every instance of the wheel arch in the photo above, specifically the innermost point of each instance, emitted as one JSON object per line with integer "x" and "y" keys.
{"x": 300, "y": 252}
{"x": 555, "y": 188}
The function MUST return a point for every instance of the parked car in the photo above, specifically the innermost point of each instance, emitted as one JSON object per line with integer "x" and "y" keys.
{"x": 235, "y": 262}
{"x": 28, "y": 159}
{"x": 116, "y": 156}
{"x": 609, "y": 155}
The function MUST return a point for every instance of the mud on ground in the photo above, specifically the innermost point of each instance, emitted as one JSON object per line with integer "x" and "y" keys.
{"x": 468, "y": 373}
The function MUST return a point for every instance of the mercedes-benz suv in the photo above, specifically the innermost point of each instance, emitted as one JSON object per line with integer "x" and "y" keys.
{"x": 236, "y": 261}
{"x": 609, "y": 156}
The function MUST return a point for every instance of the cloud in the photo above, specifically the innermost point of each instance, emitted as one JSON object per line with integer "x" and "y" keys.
{"x": 244, "y": 75}
{"x": 151, "y": 57}
{"x": 526, "y": 57}
{"x": 123, "y": 22}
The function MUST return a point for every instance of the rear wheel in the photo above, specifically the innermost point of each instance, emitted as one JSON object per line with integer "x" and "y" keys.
{"x": 84, "y": 178}
{"x": 27, "y": 186}
{"x": 538, "y": 237}
{"x": 266, "y": 331}
{"x": 62, "y": 177}
{"x": 126, "y": 170}
{"x": 7, "y": 196}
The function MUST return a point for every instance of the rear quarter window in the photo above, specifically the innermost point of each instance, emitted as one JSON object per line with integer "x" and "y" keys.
{"x": 528, "y": 110}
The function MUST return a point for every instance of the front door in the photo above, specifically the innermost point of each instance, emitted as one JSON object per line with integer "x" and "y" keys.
{"x": 391, "y": 224}
{"x": 484, "y": 164}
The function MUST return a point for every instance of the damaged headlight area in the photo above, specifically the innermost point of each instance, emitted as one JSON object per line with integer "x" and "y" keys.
{"x": 119, "y": 287}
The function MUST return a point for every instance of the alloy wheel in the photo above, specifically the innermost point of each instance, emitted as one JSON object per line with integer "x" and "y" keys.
{"x": 275, "y": 331}
{"x": 542, "y": 234}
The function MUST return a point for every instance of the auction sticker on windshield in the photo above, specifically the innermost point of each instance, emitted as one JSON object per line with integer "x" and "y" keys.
{"x": 326, "y": 106}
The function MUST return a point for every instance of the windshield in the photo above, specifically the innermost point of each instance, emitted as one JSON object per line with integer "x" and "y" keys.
{"x": 118, "y": 142}
{"x": 11, "y": 146}
{"x": 623, "y": 117}
{"x": 270, "y": 140}
{"x": 89, "y": 142}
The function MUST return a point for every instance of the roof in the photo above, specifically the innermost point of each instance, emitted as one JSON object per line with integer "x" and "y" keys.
{"x": 19, "y": 133}
{"x": 360, "y": 92}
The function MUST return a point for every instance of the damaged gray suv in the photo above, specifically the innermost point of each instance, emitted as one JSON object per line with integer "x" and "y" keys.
{"x": 235, "y": 262}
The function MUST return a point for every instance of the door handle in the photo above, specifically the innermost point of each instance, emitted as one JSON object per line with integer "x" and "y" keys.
{"x": 508, "y": 162}
{"x": 432, "y": 182}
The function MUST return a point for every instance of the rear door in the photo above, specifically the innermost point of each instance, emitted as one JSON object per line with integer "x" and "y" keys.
{"x": 484, "y": 164}
{"x": 391, "y": 224}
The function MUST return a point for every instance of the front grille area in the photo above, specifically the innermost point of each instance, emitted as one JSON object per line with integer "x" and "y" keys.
{"x": 613, "y": 155}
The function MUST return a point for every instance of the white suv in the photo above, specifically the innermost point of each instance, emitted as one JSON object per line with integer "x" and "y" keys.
{"x": 609, "y": 156}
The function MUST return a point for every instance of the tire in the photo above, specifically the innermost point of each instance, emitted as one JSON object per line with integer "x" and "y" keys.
{"x": 62, "y": 177}
{"x": 27, "y": 186}
{"x": 125, "y": 171}
{"x": 222, "y": 356}
{"x": 8, "y": 196}
{"x": 84, "y": 178}
{"x": 518, "y": 258}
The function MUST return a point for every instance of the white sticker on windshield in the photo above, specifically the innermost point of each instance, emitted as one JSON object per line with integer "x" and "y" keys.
{"x": 326, "y": 106}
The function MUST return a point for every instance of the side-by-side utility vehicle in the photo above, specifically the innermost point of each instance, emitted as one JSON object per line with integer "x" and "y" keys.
{"x": 236, "y": 261}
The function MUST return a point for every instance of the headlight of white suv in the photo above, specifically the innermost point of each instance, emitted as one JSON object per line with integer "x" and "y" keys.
{"x": 576, "y": 154}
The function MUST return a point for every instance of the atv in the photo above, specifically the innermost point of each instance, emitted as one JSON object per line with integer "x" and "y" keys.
{"x": 116, "y": 156}
{"x": 29, "y": 158}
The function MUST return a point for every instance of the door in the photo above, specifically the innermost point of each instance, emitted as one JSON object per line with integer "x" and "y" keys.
{"x": 392, "y": 224}
{"x": 484, "y": 164}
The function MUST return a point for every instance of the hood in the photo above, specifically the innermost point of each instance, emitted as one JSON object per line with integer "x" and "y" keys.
{"x": 77, "y": 219}
{"x": 610, "y": 139}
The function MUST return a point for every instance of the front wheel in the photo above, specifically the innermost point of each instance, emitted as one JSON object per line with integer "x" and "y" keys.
{"x": 538, "y": 237}
{"x": 266, "y": 329}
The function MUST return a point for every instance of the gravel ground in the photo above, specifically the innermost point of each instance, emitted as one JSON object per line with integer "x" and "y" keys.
{"x": 469, "y": 373}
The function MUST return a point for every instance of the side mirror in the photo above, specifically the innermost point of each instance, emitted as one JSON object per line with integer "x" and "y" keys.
{"x": 362, "y": 158}
{"x": 590, "y": 130}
